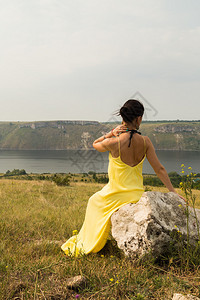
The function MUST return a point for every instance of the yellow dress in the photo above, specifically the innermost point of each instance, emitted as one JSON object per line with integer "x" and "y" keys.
{"x": 125, "y": 186}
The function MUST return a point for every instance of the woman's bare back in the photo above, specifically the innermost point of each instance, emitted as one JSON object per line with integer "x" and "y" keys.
{"x": 132, "y": 155}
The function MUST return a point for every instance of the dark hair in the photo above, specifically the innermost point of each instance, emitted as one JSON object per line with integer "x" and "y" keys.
{"x": 131, "y": 110}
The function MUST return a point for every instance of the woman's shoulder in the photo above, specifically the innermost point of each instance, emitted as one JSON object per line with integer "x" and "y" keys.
{"x": 148, "y": 141}
{"x": 145, "y": 138}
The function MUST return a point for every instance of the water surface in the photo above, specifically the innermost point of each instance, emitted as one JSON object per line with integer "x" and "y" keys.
{"x": 80, "y": 161}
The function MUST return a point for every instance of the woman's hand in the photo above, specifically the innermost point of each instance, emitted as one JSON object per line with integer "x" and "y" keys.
{"x": 182, "y": 197}
{"x": 102, "y": 143}
{"x": 119, "y": 129}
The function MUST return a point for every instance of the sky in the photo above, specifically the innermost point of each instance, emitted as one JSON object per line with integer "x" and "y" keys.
{"x": 81, "y": 60}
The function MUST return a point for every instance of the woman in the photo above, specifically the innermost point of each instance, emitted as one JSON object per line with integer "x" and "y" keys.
{"x": 127, "y": 151}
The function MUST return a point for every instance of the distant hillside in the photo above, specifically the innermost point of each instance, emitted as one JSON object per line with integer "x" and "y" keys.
{"x": 61, "y": 135}
{"x": 173, "y": 135}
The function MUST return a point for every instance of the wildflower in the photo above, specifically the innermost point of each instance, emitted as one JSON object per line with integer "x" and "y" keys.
{"x": 75, "y": 232}
{"x": 181, "y": 183}
{"x": 194, "y": 174}
{"x": 182, "y": 171}
{"x": 175, "y": 226}
{"x": 102, "y": 255}
{"x": 6, "y": 267}
{"x": 77, "y": 296}
{"x": 111, "y": 279}
{"x": 188, "y": 175}
{"x": 189, "y": 168}
{"x": 182, "y": 166}
{"x": 117, "y": 281}
{"x": 111, "y": 256}
{"x": 180, "y": 205}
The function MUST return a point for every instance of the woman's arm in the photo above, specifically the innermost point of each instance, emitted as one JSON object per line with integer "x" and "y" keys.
{"x": 158, "y": 167}
{"x": 102, "y": 144}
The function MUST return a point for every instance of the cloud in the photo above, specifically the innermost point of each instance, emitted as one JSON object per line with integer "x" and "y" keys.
{"x": 96, "y": 51}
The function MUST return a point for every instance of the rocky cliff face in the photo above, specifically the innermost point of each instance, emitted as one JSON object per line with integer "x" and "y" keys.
{"x": 174, "y": 136}
{"x": 55, "y": 124}
{"x": 61, "y": 135}
{"x": 169, "y": 128}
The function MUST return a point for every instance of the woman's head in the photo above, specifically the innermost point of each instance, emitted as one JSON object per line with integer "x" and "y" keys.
{"x": 131, "y": 110}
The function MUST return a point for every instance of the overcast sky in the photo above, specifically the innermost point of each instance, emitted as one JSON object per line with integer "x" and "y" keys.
{"x": 82, "y": 59}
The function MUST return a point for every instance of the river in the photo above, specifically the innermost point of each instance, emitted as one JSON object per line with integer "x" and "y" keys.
{"x": 80, "y": 161}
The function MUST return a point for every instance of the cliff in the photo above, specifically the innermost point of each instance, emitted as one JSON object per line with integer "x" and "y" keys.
{"x": 174, "y": 135}
{"x": 61, "y": 135}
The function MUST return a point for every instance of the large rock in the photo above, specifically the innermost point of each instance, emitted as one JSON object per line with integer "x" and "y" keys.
{"x": 149, "y": 224}
{"x": 181, "y": 297}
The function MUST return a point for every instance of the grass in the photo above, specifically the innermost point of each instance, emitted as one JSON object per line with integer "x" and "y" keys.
{"x": 38, "y": 216}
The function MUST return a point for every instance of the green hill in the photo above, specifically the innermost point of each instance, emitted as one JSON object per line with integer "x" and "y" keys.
{"x": 173, "y": 135}
{"x": 61, "y": 135}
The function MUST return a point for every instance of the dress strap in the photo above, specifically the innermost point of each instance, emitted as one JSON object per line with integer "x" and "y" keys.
{"x": 144, "y": 145}
{"x": 132, "y": 131}
{"x": 119, "y": 146}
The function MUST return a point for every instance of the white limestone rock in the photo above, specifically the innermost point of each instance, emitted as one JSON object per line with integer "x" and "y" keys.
{"x": 181, "y": 297}
{"x": 148, "y": 224}
{"x": 77, "y": 282}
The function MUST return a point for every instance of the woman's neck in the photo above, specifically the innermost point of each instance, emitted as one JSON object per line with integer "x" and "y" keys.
{"x": 130, "y": 126}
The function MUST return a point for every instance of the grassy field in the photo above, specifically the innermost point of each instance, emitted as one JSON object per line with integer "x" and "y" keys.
{"x": 38, "y": 216}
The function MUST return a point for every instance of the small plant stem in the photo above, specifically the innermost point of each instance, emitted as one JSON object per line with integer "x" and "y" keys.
{"x": 36, "y": 281}
{"x": 188, "y": 237}
{"x": 197, "y": 223}
{"x": 103, "y": 289}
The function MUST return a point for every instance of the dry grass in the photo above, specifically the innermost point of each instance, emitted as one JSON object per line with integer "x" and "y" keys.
{"x": 37, "y": 217}
{"x": 179, "y": 191}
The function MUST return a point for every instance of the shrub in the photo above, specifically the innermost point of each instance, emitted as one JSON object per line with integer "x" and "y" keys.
{"x": 61, "y": 180}
{"x": 153, "y": 181}
{"x": 15, "y": 172}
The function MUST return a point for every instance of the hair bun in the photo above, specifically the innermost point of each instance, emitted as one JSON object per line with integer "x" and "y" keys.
{"x": 131, "y": 110}
{"x": 124, "y": 109}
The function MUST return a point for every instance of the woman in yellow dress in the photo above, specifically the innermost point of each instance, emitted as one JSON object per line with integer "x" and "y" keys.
{"x": 127, "y": 152}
